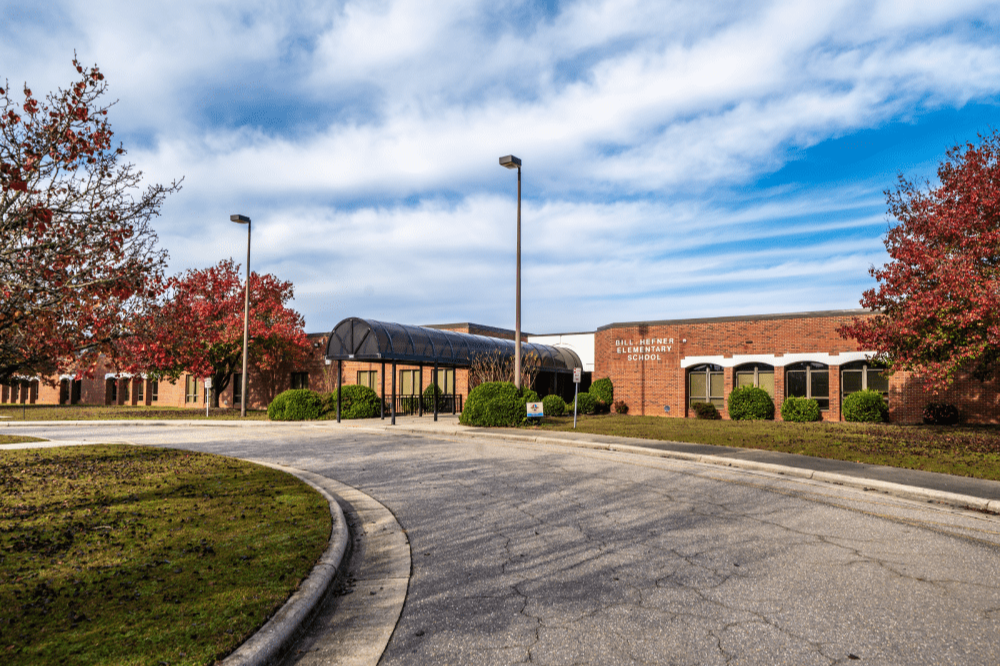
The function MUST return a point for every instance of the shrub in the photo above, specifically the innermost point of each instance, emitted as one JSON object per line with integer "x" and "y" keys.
{"x": 940, "y": 414}
{"x": 798, "y": 409}
{"x": 295, "y": 405}
{"x": 621, "y": 408}
{"x": 706, "y": 411}
{"x": 603, "y": 390}
{"x": 356, "y": 402}
{"x": 865, "y": 406}
{"x": 529, "y": 395}
{"x": 429, "y": 398}
{"x": 494, "y": 404}
{"x": 586, "y": 404}
{"x": 751, "y": 403}
{"x": 554, "y": 406}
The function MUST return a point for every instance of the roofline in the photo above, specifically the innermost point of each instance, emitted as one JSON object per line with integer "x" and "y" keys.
{"x": 571, "y": 333}
{"x": 469, "y": 325}
{"x": 743, "y": 318}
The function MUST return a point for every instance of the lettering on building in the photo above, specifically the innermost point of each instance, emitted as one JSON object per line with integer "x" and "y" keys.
{"x": 645, "y": 349}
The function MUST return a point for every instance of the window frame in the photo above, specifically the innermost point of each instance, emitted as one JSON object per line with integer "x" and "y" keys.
{"x": 811, "y": 368}
{"x": 864, "y": 368}
{"x": 190, "y": 389}
{"x": 757, "y": 367}
{"x": 371, "y": 380}
{"x": 708, "y": 370}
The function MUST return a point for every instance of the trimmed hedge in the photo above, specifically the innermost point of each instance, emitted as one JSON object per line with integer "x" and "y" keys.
{"x": 494, "y": 404}
{"x": 940, "y": 414}
{"x": 603, "y": 390}
{"x": 554, "y": 406}
{"x": 356, "y": 402}
{"x": 750, "y": 403}
{"x": 586, "y": 404}
{"x": 865, "y": 406}
{"x": 295, "y": 405}
{"x": 799, "y": 409}
{"x": 706, "y": 411}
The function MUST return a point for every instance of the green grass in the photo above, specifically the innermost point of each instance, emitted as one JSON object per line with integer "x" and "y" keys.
{"x": 968, "y": 451}
{"x": 17, "y": 413}
{"x": 115, "y": 554}
{"x": 16, "y": 439}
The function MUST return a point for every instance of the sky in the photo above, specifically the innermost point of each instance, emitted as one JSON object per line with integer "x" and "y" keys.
{"x": 680, "y": 159}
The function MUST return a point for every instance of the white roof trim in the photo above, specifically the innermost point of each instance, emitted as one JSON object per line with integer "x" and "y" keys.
{"x": 772, "y": 360}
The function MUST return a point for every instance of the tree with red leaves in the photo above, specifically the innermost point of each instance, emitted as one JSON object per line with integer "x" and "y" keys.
{"x": 938, "y": 301}
{"x": 198, "y": 329}
{"x": 78, "y": 257}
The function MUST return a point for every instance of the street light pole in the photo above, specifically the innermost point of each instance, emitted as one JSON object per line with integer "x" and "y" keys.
{"x": 512, "y": 162}
{"x": 244, "y": 220}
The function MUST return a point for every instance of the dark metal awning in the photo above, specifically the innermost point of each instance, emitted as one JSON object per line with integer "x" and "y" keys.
{"x": 356, "y": 339}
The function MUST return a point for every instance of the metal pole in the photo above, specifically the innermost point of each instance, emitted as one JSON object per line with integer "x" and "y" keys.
{"x": 339, "y": 374}
{"x": 517, "y": 317}
{"x": 381, "y": 409}
{"x": 434, "y": 384}
{"x": 393, "y": 422}
{"x": 246, "y": 330}
{"x": 575, "y": 395}
{"x": 420, "y": 390}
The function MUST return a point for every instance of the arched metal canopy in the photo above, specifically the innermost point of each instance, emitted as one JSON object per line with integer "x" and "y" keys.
{"x": 356, "y": 339}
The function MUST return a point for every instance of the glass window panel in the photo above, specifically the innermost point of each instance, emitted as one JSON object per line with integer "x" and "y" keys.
{"x": 851, "y": 381}
{"x": 718, "y": 403}
{"x": 824, "y": 403}
{"x": 877, "y": 380}
{"x": 744, "y": 379}
{"x": 765, "y": 380}
{"x": 698, "y": 387}
{"x": 717, "y": 383}
{"x": 820, "y": 381}
{"x": 796, "y": 381}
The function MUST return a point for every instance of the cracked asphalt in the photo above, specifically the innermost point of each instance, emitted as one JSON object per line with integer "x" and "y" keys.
{"x": 531, "y": 553}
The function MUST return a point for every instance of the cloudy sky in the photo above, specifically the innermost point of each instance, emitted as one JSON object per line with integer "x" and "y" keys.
{"x": 681, "y": 159}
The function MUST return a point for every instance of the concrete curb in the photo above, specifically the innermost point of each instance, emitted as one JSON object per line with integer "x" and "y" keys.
{"x": 946, "y": 498}
{"x": 267, "y": 644}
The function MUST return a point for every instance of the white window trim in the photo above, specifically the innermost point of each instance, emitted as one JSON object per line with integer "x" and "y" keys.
{"x": 776, "y": 361}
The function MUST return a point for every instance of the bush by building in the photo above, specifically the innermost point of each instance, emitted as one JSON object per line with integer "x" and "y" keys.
{"x": 356, "y": 402}
{"x": 494, "y": 404}
{"x": 751, "y": 403}
{"x": 429, "y": 394}
{"x": 621, "y": 407}
{"x": 295, "y": 405}
{"x": 706, "y": 411}
{"x": 940, "y": 414}
{"x": 603, "y": 390}
{"x": 865, "y": 406}
{"x": 586, "y": 404}
{"x": 554, "y": 406}
{"x": 799, "y": 409}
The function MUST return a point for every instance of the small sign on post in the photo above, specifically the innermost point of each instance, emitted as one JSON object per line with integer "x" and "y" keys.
{"x": 577, "y": 376}
{"x": 535, "y": 410}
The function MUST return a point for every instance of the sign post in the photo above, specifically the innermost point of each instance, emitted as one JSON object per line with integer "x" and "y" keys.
{"x": 208, "y": 393}
{"x": 577, "y": 376}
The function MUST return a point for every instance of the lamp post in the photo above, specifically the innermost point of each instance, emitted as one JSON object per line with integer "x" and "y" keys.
{"x": 243, "y": 220}
{"x": 512, "y": 162}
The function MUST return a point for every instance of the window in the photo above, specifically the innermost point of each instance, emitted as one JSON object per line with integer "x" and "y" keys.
{"x": 112, "y": 387}
{"x": 300, "y": 380}
{"x": 154, "y": 391}
{"x": 861, "y": 375}
{"x": 409, "y": 383}
{"x": 139, "y": 390}
{"x": 705, "y": 385}
{"x": 238, "y": 389}
{"x": 368, "y": 379}
{"x": 756, "y": 375}
{"x": 809, "y": 380}
{"x": 191, "y": 389}
{"x": 446, "y": 381}
{"x": 76, "y": 392}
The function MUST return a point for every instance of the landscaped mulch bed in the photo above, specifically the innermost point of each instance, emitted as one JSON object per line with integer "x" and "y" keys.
{"x": 118, "y": 554}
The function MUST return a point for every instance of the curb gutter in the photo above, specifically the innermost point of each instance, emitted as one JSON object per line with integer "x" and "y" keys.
{"x": 955, "y": 500}
{"x": 266, "y": 645}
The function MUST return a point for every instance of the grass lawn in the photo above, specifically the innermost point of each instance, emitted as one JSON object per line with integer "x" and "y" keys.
{"x": 112, "y": 554}
{"x": 15, "y": 439}
{"x": 16, "y": 413}
{"x": 969, "y": 451}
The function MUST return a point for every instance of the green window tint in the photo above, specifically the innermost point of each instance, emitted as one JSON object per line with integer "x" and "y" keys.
{"x": 368, "y": 379}
{"x": 446, "y": 380}
{"x": 757, "y": 375}
{"x": 408, "y": 382}
{"x": 706, "y": 385}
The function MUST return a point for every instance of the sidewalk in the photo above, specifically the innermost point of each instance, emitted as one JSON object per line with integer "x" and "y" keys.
{"x": 961, "y": 492}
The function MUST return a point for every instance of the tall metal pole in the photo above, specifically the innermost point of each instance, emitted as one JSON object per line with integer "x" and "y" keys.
{"x": 246, "y": 330}
{"x": 517, "y": 317}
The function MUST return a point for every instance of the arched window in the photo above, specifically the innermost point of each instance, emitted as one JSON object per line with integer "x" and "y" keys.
{"x": 860, "y": 375}
{"x": 755, "y": 375}
{"x": 705, "y": 385}
{"x": 809, "y": 379}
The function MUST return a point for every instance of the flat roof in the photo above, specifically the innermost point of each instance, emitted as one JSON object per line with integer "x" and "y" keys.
{"x": 741, "y": 318}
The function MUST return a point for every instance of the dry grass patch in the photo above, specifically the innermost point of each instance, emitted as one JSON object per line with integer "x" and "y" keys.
{"x": 112, "y": 554}
{"x": 969, "y": 451}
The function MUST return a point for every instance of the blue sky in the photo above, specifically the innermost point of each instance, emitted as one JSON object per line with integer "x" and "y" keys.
{"x": 680, "y": 159}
